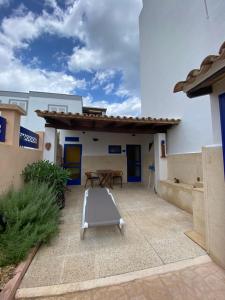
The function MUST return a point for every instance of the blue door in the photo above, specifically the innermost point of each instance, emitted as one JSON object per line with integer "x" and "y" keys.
{"x": 72, "y": 162}
{"x": 222, "y": 120}
{"x": 133, "y": 163}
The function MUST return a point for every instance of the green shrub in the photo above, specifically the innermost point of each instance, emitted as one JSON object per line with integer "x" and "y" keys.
{"x": 32, "y": 216}
{"x": 44, "y": 171}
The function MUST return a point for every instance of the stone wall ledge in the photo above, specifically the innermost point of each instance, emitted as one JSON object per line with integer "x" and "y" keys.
{"x": 182, "y": 185}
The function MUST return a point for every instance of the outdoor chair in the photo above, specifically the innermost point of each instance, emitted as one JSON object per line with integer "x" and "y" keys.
{"x": 117, "y": 175}
{"x": 92, "y": 177}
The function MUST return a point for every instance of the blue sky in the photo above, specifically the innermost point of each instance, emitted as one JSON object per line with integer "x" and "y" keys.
{"x": 84, "y": 47}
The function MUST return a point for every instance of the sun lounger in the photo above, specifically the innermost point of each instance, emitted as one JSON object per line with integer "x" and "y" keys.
{"x": 99, "y": 209}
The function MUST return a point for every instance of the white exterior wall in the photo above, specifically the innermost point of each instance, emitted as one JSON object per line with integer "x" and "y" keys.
{"x": 51, "y": 138}
{"x": 99, "y": 150}
{"x": 41, "y": 101}
{"x": 160, "y": 162}
{"x": 175, "y": 36}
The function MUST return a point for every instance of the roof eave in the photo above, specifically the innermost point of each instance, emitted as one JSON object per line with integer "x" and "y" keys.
{"x": 200, "y": 81}
{"x": 84, "y": 122}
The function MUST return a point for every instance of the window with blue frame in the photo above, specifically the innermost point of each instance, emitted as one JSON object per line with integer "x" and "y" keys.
{"x": 115, "y": 149}
{"x": 72, "y": 139}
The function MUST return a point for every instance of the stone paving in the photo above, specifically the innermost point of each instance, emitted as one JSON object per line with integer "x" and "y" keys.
{"x": 154, "y": 236}
{"x": 202, "y": 282}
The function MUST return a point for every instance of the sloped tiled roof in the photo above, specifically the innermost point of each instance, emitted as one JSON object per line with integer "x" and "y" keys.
{"x": 205, "y": 68}
{"x": 47, "y": 113}
{"x": 77, "y": 121}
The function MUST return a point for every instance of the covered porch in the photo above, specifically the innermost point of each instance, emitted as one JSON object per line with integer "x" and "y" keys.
{"x": 134, "y": 146}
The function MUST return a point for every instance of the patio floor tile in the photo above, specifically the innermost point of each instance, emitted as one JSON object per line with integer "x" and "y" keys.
{"x": 175, "y": 249}
{"x": 126, "y": 259}
{"x": 45, "y": 271}
{"x": 77, "y": 246}
{"x": 56, "y": 247}
{"x": 154, "y": 234}
{"x": 78, "y": 267}
{"x": 168, "y": 286}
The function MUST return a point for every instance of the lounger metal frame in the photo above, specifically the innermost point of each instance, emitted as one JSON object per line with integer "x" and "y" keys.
{"x": 85, "y": 225}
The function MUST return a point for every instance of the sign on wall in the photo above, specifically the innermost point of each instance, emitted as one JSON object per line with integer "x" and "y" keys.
{"x": 28, "y": 138}
{"x": 2, "y": 129}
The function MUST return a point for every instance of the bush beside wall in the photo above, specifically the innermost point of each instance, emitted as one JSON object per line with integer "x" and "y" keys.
{"x": 32, "y": 216}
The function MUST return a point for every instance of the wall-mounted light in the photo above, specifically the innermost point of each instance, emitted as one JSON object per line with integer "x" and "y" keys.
{"x": 95, "y": 140}
{"x": 133, "y": 134}
{"x": 83, "y": 132}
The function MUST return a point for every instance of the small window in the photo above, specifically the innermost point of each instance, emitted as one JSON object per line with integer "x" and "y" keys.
{"x": 115, "y": 149}
{"x": 58, "y": 108}
{"x": 72, "y": 139}
{"x": 22, "y": 103}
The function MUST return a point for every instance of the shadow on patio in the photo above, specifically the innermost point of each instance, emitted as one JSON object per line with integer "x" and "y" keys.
{"x": 154, "y": 236}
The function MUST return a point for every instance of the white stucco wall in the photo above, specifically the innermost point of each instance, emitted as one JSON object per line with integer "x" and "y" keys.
{"x": 175, "y": 36}
{"x": 41, "y": 101}
{"x": 98, "y": 151}
{"x": 33, "y": 121}
{"x": 160, "y": 162}
{"x": 91, "y": 148}
{"x": 50, "y": 137}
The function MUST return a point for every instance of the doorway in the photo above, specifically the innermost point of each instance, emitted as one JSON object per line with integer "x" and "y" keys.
{"x": 133, "y": 163}
{"x": 72, "y": 162}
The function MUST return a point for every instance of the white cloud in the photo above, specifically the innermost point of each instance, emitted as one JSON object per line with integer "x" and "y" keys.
{"x": 18, "y": 30}
{"x": 129, "y": 107}
{"x": 122, "y": 92}
{"x": 109, "y": 88}
{"x": 17, "y": 77}
{"x": 84, "y": 59}
{"x": 108, "y": 30}
{"x": 4, "y": 2}
{"x": 102, "y": 77}
{"x": 51, "y": 3}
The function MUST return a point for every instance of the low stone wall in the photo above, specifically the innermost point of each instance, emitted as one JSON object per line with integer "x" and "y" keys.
{"x": 187, "y": 198}
{"x": 12, "y": 161}
{"x": 214, "y": 183}
{"x": 177, "y": 194}
{"x": 186, "y": 167}
{"x": 198, "y": 211}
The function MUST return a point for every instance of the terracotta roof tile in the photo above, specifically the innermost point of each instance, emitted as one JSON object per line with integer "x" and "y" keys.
{"x": 46, "y": 114}
{"x": 205, "y": 66}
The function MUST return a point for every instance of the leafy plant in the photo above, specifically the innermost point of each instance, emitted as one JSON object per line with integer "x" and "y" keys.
{"x": 32, "y": 216}
{"x": 44, "y": 171}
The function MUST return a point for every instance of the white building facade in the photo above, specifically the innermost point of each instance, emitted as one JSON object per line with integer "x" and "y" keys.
{"x": 32, "y": 101}
{"x": 174, "y": 36}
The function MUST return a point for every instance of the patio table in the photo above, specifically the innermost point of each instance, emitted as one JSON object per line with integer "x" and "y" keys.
{"x": 105, "y": 178}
